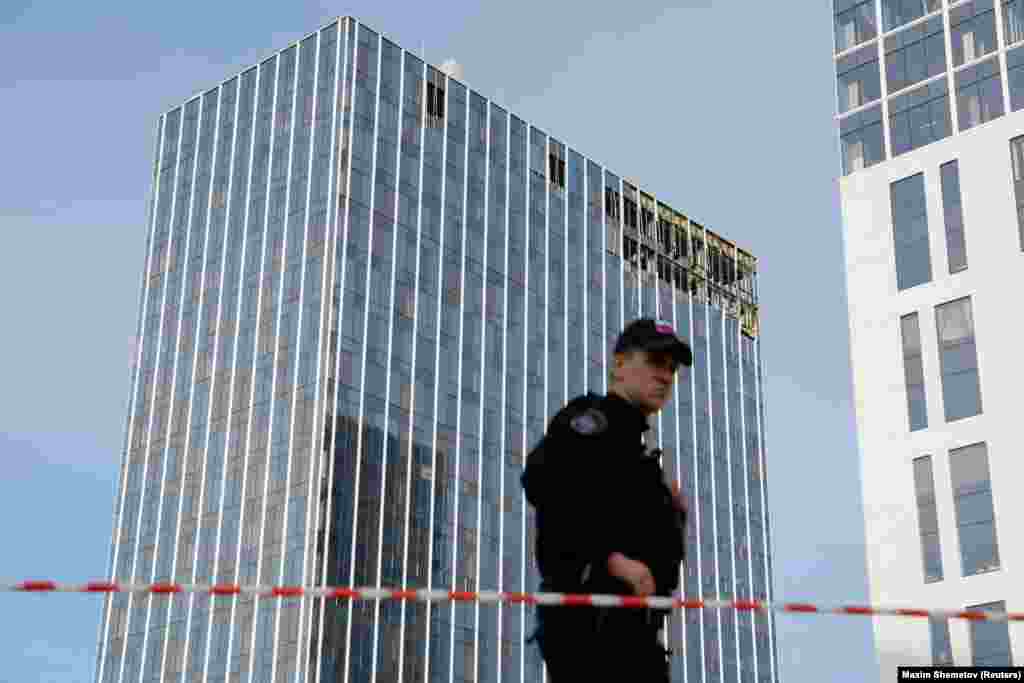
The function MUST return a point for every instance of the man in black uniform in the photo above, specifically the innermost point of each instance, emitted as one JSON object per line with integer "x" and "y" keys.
{"x": 607, "y": 521}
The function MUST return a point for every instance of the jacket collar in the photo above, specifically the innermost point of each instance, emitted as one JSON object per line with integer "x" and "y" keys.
{"x": 620, "y": 411}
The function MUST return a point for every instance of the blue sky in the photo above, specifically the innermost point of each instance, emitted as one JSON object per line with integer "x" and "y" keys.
{"x": 725, "y": 110}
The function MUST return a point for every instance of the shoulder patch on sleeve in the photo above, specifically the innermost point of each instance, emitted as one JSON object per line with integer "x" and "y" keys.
{"x": 590, "y": 422}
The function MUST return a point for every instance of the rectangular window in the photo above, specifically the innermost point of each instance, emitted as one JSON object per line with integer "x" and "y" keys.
{"x": 854, "y": 23}
{"x": 861, "y": 135}
{"x": 942, "y": 652}
{"x": 898, "y": 12}
{"x": 913, "y": 371}
{"x": 913, "y": 55}
{"x": 435, "y": 100}
{"x": 975, "y": 518}
{"x": 927, "y": 519}
{"x": 979, "y": 94}
{"x": 1015, "y": 76}
{"x": 910, "y": 232}
{"x": 1017, "y": 157}
{"x": 556, "y": 170}
{"x": 990, "y": 640}
{"x": 920, "y": 117}
{"x": 858, "y": 78}
{"x": 611, "y": 203}
{"x": 972, "y": 30}
{"x": 958, "y": 359}
{"x": 952, "y": 211}
{"x": 1013, "y": 20}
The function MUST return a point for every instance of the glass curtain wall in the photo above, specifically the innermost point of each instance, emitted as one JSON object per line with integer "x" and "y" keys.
{"x": 367, "y": 291}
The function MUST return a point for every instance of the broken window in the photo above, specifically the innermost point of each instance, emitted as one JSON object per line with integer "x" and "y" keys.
{"x": 745, "y": 276}
{"x": 681, "y": 243}
{"x": 679, "y": 277}
{"x": 721, "y": 262}
{"x": 613, "y": 237}
{"x": 629, "y": 251}
{"x": 646, "y": 259}
{"x": 647, "y": 225}
{"x": 664, "y": 229}
{"x": 435, "y": 101}
{"x": 556, "y": 170}
{"x": 748, "y": 319}
{"x": 697, "y": 245}
{"x": 699, "y": 261}
{"x": 720, "y": 258}
{"x": 629, "y": 211}
{"x": 664, "y": 270}
{"x": 611, "y": 203}
{"x": 646, "y": 217}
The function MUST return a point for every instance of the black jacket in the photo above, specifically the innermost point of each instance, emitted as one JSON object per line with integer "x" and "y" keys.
{"x": 597, "y": 491}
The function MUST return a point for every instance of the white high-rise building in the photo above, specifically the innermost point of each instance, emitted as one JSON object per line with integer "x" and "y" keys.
{"x": 932, "y": 144}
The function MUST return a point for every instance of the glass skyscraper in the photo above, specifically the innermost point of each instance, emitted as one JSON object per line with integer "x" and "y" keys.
{"x": 367, "y": 289}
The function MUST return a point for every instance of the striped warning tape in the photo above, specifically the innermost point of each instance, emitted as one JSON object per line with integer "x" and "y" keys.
{"x": 494, "y": 597}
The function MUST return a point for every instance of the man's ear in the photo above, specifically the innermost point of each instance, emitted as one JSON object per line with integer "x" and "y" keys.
{"x": 613, "y": 367}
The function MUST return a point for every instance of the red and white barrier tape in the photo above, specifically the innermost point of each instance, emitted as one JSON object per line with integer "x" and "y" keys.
{"x": 493, "y": 597}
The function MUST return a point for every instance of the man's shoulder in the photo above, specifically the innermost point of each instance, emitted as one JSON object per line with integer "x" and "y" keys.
{"x": 583, "y": 416}
{"x": 568, "y": 435}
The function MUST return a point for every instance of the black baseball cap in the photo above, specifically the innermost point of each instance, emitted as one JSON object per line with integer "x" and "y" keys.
{"x": 648, "y": 334}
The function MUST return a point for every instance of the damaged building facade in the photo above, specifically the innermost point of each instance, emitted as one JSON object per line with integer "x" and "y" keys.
{"x": 367, "y": 290}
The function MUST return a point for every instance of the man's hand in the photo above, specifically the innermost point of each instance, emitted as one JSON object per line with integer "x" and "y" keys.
{"x": 633, "y": 572}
